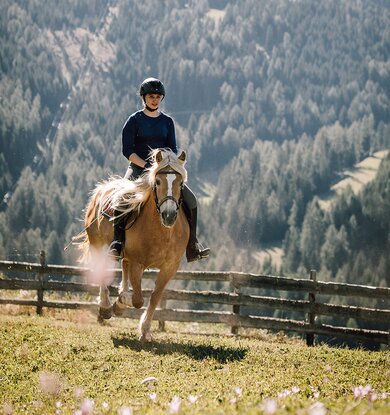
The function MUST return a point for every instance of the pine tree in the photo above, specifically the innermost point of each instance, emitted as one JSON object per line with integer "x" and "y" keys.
{"x": 312, "y": 236}
{"x": 291, "y": 243}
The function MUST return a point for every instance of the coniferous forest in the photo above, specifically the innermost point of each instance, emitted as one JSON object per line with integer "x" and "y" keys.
{"x": 273, "y": 101}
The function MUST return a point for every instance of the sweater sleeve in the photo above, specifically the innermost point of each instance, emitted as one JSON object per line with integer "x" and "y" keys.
{"x": 128, "y": 137}
{"x": 171, "y": 136}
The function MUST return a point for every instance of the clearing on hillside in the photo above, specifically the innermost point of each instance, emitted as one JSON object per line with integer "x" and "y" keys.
{"x": 363, "y": 173}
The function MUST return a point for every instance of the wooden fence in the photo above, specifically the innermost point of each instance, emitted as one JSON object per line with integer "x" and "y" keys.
{"x": 235, "y": 297}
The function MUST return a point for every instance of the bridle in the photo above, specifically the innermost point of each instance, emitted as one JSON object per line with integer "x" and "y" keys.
{"x": 160, "y": 203}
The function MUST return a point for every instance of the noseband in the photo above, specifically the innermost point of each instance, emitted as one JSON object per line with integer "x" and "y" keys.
{"x": 177, "y": 202}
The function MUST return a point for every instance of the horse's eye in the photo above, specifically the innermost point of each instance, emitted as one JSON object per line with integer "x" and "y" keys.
{"x": 158, "y": 182}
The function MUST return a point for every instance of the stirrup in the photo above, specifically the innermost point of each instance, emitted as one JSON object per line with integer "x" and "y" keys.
{"x": 115, "y": 249}
{"x": 197, "y": 252}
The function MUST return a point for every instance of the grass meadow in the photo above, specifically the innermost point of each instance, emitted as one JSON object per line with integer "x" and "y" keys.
{"x": 70, "y": 364}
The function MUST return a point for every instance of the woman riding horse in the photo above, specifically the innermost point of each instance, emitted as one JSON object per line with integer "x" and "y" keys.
{"x": 146, "y": 130}
{"x": 157, "y": 238}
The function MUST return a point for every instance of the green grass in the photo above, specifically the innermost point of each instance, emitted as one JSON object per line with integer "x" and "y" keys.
{"x": 223, "y": 374}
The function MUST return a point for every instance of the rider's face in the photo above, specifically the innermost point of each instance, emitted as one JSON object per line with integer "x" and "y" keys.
{"x": 153, "y": 100}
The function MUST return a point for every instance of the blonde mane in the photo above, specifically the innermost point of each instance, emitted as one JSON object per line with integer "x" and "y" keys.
{"x": 125, "y": 196}
{"x": 169, "y": 159}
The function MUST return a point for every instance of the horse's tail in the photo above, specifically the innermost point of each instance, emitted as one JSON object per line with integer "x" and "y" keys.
{"x": 91, "y": 215}
{"x": 83, "y": 246}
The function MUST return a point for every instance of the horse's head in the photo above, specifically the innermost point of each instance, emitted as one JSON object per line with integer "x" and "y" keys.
{"x": 168, "y": 178}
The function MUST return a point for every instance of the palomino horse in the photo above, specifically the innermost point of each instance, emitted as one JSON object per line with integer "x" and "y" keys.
{"x": 157, "y": 238}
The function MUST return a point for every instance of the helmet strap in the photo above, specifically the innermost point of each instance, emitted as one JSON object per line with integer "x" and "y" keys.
{"x": 147, "y": 107}
{"x": 150, "y": 109}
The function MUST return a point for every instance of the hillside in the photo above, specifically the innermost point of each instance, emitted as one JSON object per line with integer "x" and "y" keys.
{"x": 271, "y": 103}
{"x": 356, "y": 178}
{"x": 77, "y": 366}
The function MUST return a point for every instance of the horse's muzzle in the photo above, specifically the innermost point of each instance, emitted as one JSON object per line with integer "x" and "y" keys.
{"x": 168, "y": 212}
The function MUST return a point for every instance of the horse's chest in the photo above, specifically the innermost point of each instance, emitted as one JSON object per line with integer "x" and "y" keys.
{"x": 154, "y": 249}
{"x": 153, "y": 245}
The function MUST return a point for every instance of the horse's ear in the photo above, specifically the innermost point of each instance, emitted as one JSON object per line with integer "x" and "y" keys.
{"x": 182, "y": 157}
{"x": 159, "y": 157}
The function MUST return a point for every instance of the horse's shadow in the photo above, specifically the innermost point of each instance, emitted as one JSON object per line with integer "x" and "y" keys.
{"x": 195, "y": 351}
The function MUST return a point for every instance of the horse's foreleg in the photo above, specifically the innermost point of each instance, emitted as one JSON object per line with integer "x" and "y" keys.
{"x": 146, "y": 319}
{"x": 124, "y": 299}
{"x": 131, "y": 273}
{"x": 136, "y": 271}
{"x": 105, "y": 308}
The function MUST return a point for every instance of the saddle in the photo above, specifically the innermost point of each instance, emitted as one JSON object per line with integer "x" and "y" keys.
{"x": 127, "y": 220}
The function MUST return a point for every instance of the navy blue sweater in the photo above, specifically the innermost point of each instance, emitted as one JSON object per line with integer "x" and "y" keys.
{"x": 142, "y": 133}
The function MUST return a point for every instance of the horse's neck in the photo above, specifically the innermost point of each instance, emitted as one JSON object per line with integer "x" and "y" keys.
{"x": 150, "y": 210}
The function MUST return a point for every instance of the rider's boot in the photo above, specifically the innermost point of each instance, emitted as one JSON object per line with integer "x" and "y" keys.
{"x": 117, "y": 244}
{"x": 194, "y": 250}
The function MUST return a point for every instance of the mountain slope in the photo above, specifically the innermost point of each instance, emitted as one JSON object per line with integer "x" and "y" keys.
{"x": 272, "y": 99}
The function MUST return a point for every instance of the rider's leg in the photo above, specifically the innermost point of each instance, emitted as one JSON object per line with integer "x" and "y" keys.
{"x": 194, "y": 250}
{"x": 118, "y": 242}
{"x": 119, "y": 234}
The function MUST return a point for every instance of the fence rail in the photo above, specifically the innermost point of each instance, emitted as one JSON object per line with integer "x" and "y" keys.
{"x": 236, "y": 298}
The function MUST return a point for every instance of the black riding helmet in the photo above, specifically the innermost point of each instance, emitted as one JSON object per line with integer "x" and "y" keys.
{"x": 152, "y": 86}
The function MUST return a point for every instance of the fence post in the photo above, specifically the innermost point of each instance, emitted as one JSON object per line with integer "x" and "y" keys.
{"x": 311, "y": 315}
{"x": 42, "y": 260}
{"x": 236, "y": 308}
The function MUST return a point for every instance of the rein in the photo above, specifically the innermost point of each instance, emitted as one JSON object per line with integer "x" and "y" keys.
{"x": 159, "y": 204}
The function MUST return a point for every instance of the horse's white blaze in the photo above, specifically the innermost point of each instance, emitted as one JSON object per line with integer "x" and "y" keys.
{"x": 170, "y": 180}
{"x": 169, "y": 205}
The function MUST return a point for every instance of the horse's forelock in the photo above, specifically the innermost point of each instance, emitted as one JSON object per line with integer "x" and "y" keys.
{"x": 169, "y": 158}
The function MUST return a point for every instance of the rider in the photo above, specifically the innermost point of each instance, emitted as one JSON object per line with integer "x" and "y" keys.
{"x": 145, "y": 130}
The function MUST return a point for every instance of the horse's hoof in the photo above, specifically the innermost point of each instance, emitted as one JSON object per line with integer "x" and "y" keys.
{"x": 118, "y": 311}
{"x": 104, "y": 314}
{"x": 137, "y": 302}
{"x": 146, "y": 338}
{"x": 125, "y": 299}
